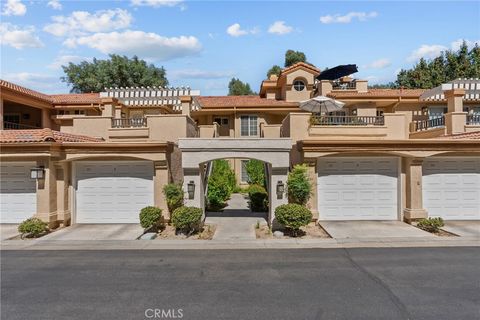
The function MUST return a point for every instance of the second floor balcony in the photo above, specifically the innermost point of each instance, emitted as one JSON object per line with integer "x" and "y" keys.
{"x": 327, "y": 120}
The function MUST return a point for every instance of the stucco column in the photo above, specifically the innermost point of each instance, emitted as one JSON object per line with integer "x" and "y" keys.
{"x": 193, "y": 175}
{"x": 160, "y": 179}
{"x": 278, "y": 174}
{"x": 186, "y": 104}
{"x": 413, "y": 189}
{"x": 312, "y": 203}
{"x": 46, "y": 121}
{"x": 455, "y": 119}
{"x": 47, "y": 194}
{"x": 63, "y": 182}
{"x": 109, "y": 107}
{"x": 118, "y": 112}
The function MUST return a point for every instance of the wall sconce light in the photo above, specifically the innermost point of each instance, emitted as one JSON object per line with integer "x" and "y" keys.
{"x": 280, "y": 189}
{"x": 191, "y": 190}
{"x": 37, "y": 173}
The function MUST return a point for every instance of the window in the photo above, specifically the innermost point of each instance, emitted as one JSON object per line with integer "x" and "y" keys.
{"x": 298, "y": 85}
{"x": 248, "y": 126}
{"x": 221, "y": 121}
{"x": 79, "y": 111}
{"x": 380, "y": 113}
{"x": 244, "y": 174}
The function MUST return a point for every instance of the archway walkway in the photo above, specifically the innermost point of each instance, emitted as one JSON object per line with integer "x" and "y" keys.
{"x": 196, "y": 152}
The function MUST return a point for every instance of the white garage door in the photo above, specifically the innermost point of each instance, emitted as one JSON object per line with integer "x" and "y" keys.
{"x": 113, "y": 192}
{"x": 358, "y": 189}
{"x": 451, "y": 188}
{"x": 18, "y": 192}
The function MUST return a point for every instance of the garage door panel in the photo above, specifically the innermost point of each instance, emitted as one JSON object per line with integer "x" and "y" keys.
{"x": 18, "y": 192}
{"x": 451, "y": 188}
{"x": 358, "y": 188}
{"x": 117, "y": 194}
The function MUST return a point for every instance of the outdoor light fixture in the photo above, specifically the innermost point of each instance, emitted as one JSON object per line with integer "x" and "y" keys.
{"x": 280, "y": 189}
{"x": 37, "y": 173}
{"x": 191, "y": 190}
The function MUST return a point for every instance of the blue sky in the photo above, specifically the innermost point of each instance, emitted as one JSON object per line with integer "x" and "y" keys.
{"x": 203, "y": 44}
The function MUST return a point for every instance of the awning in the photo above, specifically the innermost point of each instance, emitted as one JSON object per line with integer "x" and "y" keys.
{"x": 471, "y": 87}
{"x": 338, "y": 72}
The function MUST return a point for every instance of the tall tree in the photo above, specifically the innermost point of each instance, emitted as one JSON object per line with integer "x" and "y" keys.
{"x": 238, "y": 88}
{"x": 292, "y": 57}
{"x": 117, "y": 71}
{"x": 450, "y": 65}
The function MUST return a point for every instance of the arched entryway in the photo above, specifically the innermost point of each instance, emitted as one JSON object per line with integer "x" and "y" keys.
{"x": 198, "y": 151}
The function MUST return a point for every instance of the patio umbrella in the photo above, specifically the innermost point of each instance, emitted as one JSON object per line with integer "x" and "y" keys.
{"x": 338, "y": 72}
{"x": 321, "y": 104}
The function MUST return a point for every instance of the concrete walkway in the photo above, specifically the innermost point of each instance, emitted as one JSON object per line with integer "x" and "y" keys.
{"x": 8, "y": 230}
{"x": 236, "y": 222}
{"x": 96, "y": 232}
{"x": 372, "y": 229}
{"x": 463, "y": 228}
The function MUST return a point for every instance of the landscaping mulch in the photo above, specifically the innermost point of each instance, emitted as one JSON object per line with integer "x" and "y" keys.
{"x": 440, "y": 233}
{"x": 311, "y": 231}
{"x": 169, "y": 232}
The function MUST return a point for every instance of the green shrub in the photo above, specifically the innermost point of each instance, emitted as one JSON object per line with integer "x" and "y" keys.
{"x": 258, "y": 198}
{"x": 293, "y": 216}
{"x": 221, "y": 183}
{"x": 256, "y": 172}
{"x": 151, "y": 217}
{"x": 173, "y": 195}
{"x": 32, "y": 227}
{"x": 187, "y": 219}
{"x": 299, "y": 186}
{"x": 431, "y": 224}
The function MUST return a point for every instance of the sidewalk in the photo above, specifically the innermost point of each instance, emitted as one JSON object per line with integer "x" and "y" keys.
{"x": 237, "y": 244}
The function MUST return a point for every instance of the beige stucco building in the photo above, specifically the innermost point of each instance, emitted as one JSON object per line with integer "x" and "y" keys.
{"x": 387, "y": 155}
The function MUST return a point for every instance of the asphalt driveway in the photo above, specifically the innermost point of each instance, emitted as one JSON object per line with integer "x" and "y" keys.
{"x": 8, "y": 230}
{"x": 372, "y": 229}
{"x": 96, "y": 232}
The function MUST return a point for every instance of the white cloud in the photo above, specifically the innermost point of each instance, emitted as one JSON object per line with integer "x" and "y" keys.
{"x": 80, "y": 22}
{"x": 378, "y": 64}
{"x": 347, "y": 18}
{"x": 199, "y": 74}
{"x": 155, "y": 3}
{"x": 34, "y": 81}
{"x": 235, "y": 31}
{"x": 279, "y": 27}
{"x": 14, "y": 8}
{"x": 426, "y": 51}
{"x": 65, "y": 59}
{"x": 55, "y": 4}
{"x": 146, "y": 45}
{"x": 19, "y": 38}
{"x": 457, "y": 43}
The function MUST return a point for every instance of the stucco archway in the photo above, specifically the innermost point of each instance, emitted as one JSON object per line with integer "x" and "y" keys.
{"x": 196, "y": 151}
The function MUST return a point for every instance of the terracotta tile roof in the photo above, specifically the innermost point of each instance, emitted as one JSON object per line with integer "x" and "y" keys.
{"x": 467, "y": 135}
{"x": 376, "y": 93}
{"x": 29, "y": 92}
{"x": 42, "y": 135}
{"x": 76, "y": 98}
{"x": 299, "y": 65}
{"x": 241, "y": 101}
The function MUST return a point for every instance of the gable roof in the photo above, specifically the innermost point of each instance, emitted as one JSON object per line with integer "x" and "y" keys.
{"x": 241, "y": 101}
{"x": 301, "y": 65}
{"x": 29, "y": 92}
{"x": 42, "y": 135}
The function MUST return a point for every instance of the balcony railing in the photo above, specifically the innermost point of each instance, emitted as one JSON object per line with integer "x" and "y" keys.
{"x": 17, "y": 126}
{"x": 473, "y": 118}
{"x": 129, "y": 123}
{"x": 344, "y": 85}
{"x": 320, "y": 120}
{"x": 430, "y": 123}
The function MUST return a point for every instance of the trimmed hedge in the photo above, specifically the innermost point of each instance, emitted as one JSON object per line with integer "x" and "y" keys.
{"x": 187, "y": 219}
{"x": 256, "y": 172}
{"x": 258, "y": 198}
{"x": 174, "y": 196}
{"x": 151, "y": 217}
{"x": 293, "y": 216}
{"x": 32, "y": 227}
{"x": 431, "y": 224}
{"x": 299, "y": 187}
